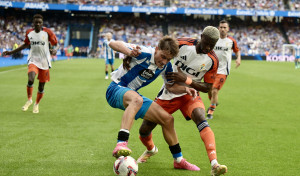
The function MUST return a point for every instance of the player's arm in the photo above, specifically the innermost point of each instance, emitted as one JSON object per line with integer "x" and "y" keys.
{"x": 120, "y": 46}
{"x": 5, "y": 53}
{"x": 181, "y": 77}
{"x": 237, "y": 52}
{"x": 53, "y": 42}
{"x": 238, "y": 58}
{"x": 180, "y": 89}
{"x": 53, "y": 49}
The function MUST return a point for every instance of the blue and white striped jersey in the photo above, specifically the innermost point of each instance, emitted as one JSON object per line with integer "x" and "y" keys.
{"x": 143, "y": 70}
{"x": 297, "y": 51}
{"x": 108, "y": 52}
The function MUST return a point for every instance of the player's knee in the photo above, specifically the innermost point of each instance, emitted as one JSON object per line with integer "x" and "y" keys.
{"x": 41, "y": 88}
{"x": 137, "y": 101}
{"x": 144, "y": 130}
{"x": 168, "y": 120}
{"x": 30, "y": 82}
{"x": 214, "y": 91}
{"x": 198, "y": 115}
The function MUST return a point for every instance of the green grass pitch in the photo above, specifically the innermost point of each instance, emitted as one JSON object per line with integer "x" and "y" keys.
{"x": 256, "y": 124}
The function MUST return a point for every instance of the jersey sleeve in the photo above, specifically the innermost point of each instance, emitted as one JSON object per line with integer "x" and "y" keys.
{"x": 235, "y": 47}
{"x": 186, "y": 41}
{"x": 144, "y": 50}
{"x": 210, "y": 76}
{"x": 27, "y": 41}
{"x": 51, "y": 36}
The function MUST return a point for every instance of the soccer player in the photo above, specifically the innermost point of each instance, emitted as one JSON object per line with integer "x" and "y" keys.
{"x": 109, "y": 54}
{"x": 296, "y": 53}
{"x": 223, "y": 50}
{"x": 39, "y": 58}
{"x": 145, "y": 66}
{"x": 195, "y": 61}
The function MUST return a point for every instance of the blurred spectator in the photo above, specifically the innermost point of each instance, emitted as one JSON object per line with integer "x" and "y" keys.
{"x": 224, "y": 4}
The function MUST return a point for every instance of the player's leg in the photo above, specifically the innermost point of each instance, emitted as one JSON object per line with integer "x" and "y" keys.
{"x": 112, "y": 65}
{"x": 106, "y": 67}
{"x": 196, "y": 110}
{"x": 39, "y": 96}
{"x": 217, "y": 85}
{"x": 158, "y": 115}
{"x": 147, "y": 127}
{"x": 44, "y": 76}
{"x": 146, "y": 138}
{"x": 32, "y": 71}
{"x": 213, "y": 102}
{"x": 106, "y": 71}
{"x": 130, "y": 101}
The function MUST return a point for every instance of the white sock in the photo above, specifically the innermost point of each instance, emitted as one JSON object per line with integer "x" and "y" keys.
{"x": 213, "y": 162}
{"x": 178, "y": 160}
{"x": 127, "y": 131}
{"x": 152, "y": 150}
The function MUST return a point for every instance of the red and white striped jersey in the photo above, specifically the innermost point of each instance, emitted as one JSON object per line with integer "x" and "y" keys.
{"x": 39, "y": 53}
{"x": 223, "y": 50}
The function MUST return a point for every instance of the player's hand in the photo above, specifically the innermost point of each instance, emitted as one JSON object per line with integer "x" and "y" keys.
{"x": 135, "y": 52}
{"x": 6, "y": 53}
{"x": 53, "y": 52}
{"x": 191, "y": 91}
{"x": 176, "y": 76}
{"x": 237, "y": 63}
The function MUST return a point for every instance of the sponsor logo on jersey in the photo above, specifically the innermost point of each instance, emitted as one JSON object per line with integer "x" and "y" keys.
{"x": 37, "y": 43}
{"x": 187, "y": 69}
{"x": 221, "y": 48}
{"x": 147, "y": 74}
{"x": 201, "y": 67}
{"x": 183, "y": 57}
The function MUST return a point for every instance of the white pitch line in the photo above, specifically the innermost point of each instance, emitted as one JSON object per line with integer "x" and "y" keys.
{"x": 12, "y": 70}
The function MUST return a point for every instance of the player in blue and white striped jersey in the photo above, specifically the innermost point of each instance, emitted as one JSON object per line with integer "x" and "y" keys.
{"x": 109, "y": 54}
{"x": 146, "y": 64}
{"x": 296, "y": 53}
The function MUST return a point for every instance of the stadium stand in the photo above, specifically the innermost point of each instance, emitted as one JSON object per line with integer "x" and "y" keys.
{"x": 254, "y": 37}
{"x": 224, "y": 4}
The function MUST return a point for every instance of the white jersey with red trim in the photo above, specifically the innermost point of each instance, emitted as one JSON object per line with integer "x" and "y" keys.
{"x": 193, "y": 65}
{"x": 39, "y": 53}
{"x": 223, "y": 50}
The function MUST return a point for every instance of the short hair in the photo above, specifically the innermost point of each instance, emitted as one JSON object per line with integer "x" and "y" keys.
{"x": 170, "y": 44}
{"x": 38, "y": 16}
{"x": 108, "y": 33}
{"x": 211, "y": 32}
{"x": 224, "y": 21}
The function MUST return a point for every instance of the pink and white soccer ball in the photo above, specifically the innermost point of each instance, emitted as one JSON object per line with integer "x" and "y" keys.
{"x": 125, "y": 166}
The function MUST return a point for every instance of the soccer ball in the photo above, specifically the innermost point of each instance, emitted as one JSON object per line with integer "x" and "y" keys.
{"x": 125, "y": 166}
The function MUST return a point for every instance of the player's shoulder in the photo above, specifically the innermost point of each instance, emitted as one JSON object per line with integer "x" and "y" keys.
{"x": 186, "y": 41}
{"x": 213, "y": 56}
{"x": 29, "y": 30}
{"x": 49, "y": 31}
{"x": 231, "y": 38}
